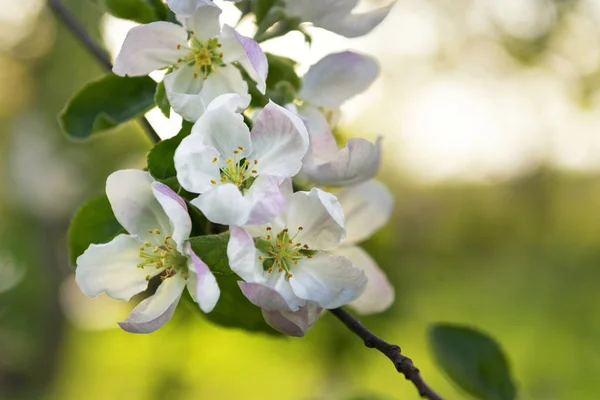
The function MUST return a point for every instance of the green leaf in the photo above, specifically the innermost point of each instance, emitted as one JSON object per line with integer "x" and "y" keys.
{"x": 473, "y": 360}
{"x": 106, "y": 103}
{"x": 161, "y": 100}
{"x": 282, "y": 69}
{"x": 260, "y": 8}
{"x": 160, "y": 159}
{"x": 233, "y": 308}
{"x": 142, "y": 11}
{"x": 94, "y": 222}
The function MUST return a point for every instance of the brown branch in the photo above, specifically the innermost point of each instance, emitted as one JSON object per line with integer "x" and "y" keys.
{"x": 403, "y": 364}
{"x": 78, "y": 30}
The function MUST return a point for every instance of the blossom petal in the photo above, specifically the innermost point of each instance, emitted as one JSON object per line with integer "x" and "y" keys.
{"x": 133, "y": 203}
{"x": 112, "y": 268}
{"x": 203, "y": 21}
{"x": 322, "y": 142}
{"x": 190, "y": 95}
{"x": 242, "y": 256}
{"x": 177, "y": 211}
{"x": 279, "y": 142}
{"x": 266, "y": 199}
{"x": 359, "y": 161}
{"x": 328, "y": 280}
{"x": 319, "y": 214}
{"x": 194, "y": 165}
{"x": 248, "y": 53}
{"x": 156, "y": 310}
{"x": 379, "y": 293}
{"x": 185, "y": 8}
{"x": 150, "y": 47}
{"x": 224, "y": 204}
{"x": 263, "y": 296}
{"x": 367, "y": 207}
{"x": 202, "y": 284}
{"x": 293, "y": 323}
{"x": 338, "y": 77}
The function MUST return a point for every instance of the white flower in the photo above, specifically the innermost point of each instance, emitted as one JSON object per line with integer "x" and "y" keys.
{"x": 367, "y": 207}
{"x": 325, "y": 87}
{"x": 159, "y": 225}
{"x": 287, "y": 264}
{"x": 336, "y": 15}
{"x": 238, "y": 172}
{"x": 199, "y": 54}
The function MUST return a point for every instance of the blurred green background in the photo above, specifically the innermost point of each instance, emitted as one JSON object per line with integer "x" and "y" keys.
{"x": 490, "y": 116}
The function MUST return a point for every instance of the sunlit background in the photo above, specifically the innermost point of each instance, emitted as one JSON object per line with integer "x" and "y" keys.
{"x": 490, "y": 113}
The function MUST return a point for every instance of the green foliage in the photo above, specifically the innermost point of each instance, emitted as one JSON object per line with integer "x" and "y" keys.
{"x": 142, "y": 11}
{"x": 233, "y": 309}
{"x": 160, "y": 159}
{"x": 94, "y": 222}
{"x": 282, "y": 69}
{"x": 161, "y": 100}
{"x": 260, "y": 8}
{"x": 474, "y": 361}
{"x": 106, "y": 103}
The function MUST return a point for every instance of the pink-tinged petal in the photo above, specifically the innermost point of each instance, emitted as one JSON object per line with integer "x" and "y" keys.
{"x": 248, "y": 53}
{"x": 224, "y": 204}
{"x": 134, "y": 205}
{"x": 242, "y": 256}
{"x": 355, "y": 25}
{"x": 359, "y": 161}
{"x": 156, "y": 310}
{"x": 328, "y": 280}
{"x": 319, "y": 214}
{"x": 177, "y": 211}
{"x": 367, "y": 207}
{"x": 264, "y": 296}
{"x": 310, "y": 10}
{"x": 202, "y": 284}
{"x": 112, "y": 268}
{"x": 194, "y": 165}
{"x": 379, "y": 293}
{"x": 279, "y": 142}
{"x": 293, "y": 323}
{"x": 322, "y": 142}
{"x": 266, "y": 198}
{"x": 150, "y": 47}
{"x": 337, "y": 78}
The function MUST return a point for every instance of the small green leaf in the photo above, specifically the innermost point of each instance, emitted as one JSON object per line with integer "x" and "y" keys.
{"x": 282, "y": 69}
{"x": 160, "y": 159}
{"x": 260, "y": 8}
{"x": 106, "y": 103}
{"x": 212, "y": 249}
{"x": 161, "y": 100}
{"x": 142, "y": 11}
{"x": 473, "y": 360}
{"x": 94, "y": 222}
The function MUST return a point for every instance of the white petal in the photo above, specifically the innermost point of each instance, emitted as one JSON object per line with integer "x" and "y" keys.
{"x": 266, "y": 199}
{"x": 177, "y": 211}
{"x": 310, "y": 10}
{"x": 156, "y": 310}
{"x": 204, "y": 21}
{"x": 185, "y": 8}
{"x": 225, "y": 131}
{"x": 233, "y": 102}
{"x": 367, "y": 207}
{"x": 293, "y": 323}
{"x": 279, "y": 142}
{"x": 328, "y": 280}
{"x": 320, "y": 216}
{"x": 195, "y": 166}
{"x": 248, "y": 53}
{"x": 150, "y": 47}
{"x": 112, "y": 268}
{"x": 359, "y": 161}
{"x": 224, "y": 204}
{"x": 242, "y": 256}
{"x": 379, "y": 292}
{"x": 264, "y": 296}
{"x": 322, "y": 147}
{"x": 338, "y": 77}
{"x": 137, "y": 210}
{"x": 202, "y": 284}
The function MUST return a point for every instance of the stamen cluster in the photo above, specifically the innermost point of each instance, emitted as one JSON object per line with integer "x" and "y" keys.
{"x": 204, "y": 57}
{"x": 283, "y": 251}
{"x": 239, "y": 171}
{"x": 164, "y": 256}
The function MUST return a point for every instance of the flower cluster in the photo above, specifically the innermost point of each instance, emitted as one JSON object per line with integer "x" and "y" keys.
{"x": 259, "y": 171}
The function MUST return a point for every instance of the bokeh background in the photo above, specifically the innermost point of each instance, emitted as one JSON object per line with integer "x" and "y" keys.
{"x": 490, "y": 112}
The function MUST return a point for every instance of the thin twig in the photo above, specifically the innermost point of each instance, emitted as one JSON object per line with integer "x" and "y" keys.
{"x": 403, "y": 364}
{"x": 78, "y": 30}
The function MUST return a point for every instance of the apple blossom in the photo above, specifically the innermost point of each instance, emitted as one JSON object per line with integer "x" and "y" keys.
{"x": 159, "y": 225}
{"x": 337, "y": 16}
{"x": 198, "y": 57}
{"x": 237, "y": 172}
{"x": 287, "y": 263}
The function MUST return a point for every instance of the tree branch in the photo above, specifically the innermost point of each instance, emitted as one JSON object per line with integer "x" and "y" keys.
{"x": 403, "y": 364}
{"x": 78, "y": 30}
